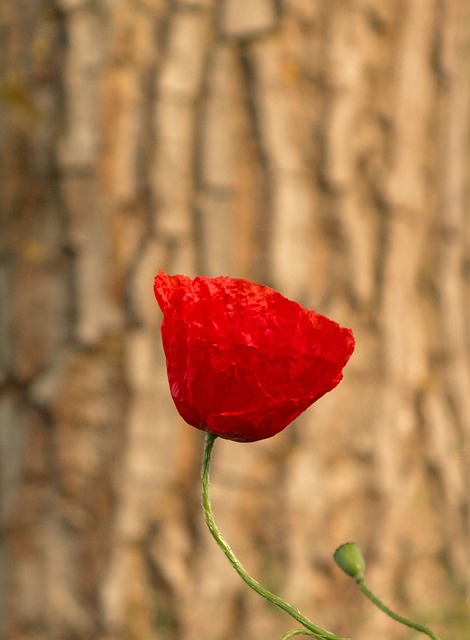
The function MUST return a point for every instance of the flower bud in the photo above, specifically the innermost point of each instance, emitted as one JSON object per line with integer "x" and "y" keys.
{"x": 349, "y": 558}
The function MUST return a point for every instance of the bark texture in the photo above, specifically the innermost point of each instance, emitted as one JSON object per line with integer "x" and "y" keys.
{"x": 318, "y": 146}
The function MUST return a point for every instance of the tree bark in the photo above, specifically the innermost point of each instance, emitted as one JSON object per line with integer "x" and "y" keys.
{"x": 316, "y": 146}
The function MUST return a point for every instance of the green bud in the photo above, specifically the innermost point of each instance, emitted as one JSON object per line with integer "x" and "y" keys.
{"x": 349, "y": 558}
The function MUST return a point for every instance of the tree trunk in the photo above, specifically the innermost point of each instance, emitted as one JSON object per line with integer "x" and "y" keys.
{"x": 318, "y": 146}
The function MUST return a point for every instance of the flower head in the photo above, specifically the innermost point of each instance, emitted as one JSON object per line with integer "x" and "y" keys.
{"x": 242, "y": 360}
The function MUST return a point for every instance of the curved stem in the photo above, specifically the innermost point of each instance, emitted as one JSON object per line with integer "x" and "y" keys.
{"x": 296, "y": 632}
{"x": 318, "y": 632}
{"x": 409, "y": 623}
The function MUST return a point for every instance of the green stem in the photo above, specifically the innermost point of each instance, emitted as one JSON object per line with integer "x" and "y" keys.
{"x": 296, "y": 632}
{"x": 409, "y": 623}
{"x": 318, "y": 632}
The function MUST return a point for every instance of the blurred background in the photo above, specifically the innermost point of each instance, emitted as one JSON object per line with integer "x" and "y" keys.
{"x": 317, "y": 146}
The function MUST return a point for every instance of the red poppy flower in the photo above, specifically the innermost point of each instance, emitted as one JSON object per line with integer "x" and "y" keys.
{"x": 242, "y": 360}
